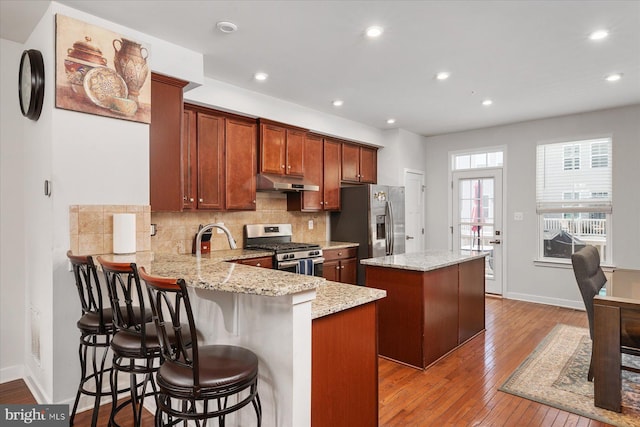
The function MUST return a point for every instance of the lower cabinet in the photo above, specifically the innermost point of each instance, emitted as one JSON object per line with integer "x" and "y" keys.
{"x": 341, "y": 265}
{"x": 344, "y": 368}
{"x": 264, "y": 262}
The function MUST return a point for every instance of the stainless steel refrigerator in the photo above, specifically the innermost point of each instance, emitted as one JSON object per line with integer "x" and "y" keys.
{"x": 373, "y": 216}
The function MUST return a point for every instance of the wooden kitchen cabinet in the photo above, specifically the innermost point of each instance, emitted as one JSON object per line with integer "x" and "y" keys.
{"x": 240, "y": 165}
{"x": 165, "y": 134}
{"x": 359, "y": 163}
{"x": 210, "y": 165}
{"x": 323, "y": 169}
{"x": 281, "y": 149}
{"x": 341, "y": 265}
{"x": 264, "y": 262}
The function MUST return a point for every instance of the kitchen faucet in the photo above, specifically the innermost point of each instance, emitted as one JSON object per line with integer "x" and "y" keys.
{"x": 205, "y": 228}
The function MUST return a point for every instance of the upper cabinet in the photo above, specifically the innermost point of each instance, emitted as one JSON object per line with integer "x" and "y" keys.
{"x": 194, "y": 163}
{"x": 323, "y": 169}
{"x": 281, "y": 149}
{"x": 359, "y": 163}
{"x": 165, "y": 130}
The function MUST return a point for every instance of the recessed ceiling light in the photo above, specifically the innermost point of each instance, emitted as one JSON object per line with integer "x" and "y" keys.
{"x": 391, "y": 121}
{"x": 443, "y": 75}
{"x": 226, "y": 27}
{"x": 260, "y": 76}
{"x": 338, "y": 103}
{"x": 374, "y": 31}
{"x": 613, "y": 77}
{"x": 599, "y": 35}
{"x": 487, "y": 102}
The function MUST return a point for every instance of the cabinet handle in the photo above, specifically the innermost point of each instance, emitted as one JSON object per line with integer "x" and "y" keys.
{"x": 337, "y": 267}
{"x": 258, "y": 265}
{"x": 191, "y": 199}
{"x": 201, "y": 200}
{"x": 322, "y": 203}
{"x": 282, "y": 166}
{"x": 254, "y": 202}
{"x": 184, "y": 198}
{"x": 342, "y": 267}
{"x": 289, "y": 167}
{"x": 339, "y": 253}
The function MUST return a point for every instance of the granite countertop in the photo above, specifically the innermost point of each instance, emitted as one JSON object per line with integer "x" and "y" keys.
{"x": 326, "y": 244}
{"x": 211, "y": 272}
{"x": 332, "y": 297}
{"x": 423, "y": 261}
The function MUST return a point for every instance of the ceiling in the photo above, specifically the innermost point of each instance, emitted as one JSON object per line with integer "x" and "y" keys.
{"x": 533, "y": 59}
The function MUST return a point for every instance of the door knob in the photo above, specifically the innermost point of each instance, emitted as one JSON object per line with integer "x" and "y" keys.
{"x": 495, "y": 242}
{"x": 409, "y": 237}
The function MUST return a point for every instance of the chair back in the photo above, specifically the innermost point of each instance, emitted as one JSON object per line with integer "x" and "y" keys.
{"x": 127, "y": 297}
{"x": 169, "y": 300}
{"x": 88, "y": 286}
{"x": 590, "y": 277}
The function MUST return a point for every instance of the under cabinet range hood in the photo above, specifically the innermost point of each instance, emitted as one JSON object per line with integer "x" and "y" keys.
{"x": 268, "y": 182}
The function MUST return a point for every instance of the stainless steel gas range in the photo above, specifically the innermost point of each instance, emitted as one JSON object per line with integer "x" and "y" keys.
{"x": 301, "y": 258}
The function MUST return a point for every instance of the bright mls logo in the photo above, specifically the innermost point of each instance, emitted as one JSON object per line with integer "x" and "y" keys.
{"x": 34, "y": 415}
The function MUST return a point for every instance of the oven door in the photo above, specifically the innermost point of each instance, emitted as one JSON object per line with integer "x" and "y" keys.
{"x": 292, "y": 266}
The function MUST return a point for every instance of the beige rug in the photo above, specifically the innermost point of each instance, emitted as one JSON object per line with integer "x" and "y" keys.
{"x": 555, "y": 374}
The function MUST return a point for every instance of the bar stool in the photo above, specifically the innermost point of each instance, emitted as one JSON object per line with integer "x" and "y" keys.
{"x": 135, "y": 345}
{"x": 193, "y": 378}
{"x": 96, "y": 329}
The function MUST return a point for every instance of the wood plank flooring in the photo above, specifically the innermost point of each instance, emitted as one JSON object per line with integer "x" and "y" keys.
{"x": 459, "y": 390}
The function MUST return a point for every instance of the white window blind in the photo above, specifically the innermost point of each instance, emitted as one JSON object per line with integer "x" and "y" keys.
{"x": 558, "y": 174}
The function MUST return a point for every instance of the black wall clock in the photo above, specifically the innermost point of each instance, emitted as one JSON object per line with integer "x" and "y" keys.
{"x": 31, "y": 83}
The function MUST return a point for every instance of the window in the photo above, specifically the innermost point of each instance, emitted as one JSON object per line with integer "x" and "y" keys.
{"x": 571, "y": 157}
{"x": 599, "y": 154}
{"x": 490, "y": 159}
{"x": 574, "y": 205}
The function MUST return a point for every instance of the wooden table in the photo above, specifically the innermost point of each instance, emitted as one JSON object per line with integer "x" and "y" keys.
{"x": 610, "y": 313}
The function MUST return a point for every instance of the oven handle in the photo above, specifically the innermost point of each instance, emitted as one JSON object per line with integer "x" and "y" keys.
{"x": 287, "y": 264}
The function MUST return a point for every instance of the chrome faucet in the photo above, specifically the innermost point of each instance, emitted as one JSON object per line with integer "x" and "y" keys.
{"x": 205, "y": 228}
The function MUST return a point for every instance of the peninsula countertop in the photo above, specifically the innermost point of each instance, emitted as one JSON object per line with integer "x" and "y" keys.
{"x": 424, "y": 260}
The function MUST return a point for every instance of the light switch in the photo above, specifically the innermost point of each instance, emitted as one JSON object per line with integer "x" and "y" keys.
{"x": 518, "y": 216}
{"x": 310, "y": 224}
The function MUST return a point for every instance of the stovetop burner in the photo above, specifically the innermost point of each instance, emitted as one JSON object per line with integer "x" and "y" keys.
{"x": 283, "y": 246}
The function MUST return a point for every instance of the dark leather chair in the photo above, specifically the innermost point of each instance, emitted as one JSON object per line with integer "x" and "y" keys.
{"x": 135, "y": 345}
{"x": 195, "y": 383}
{"x": 96, "y": 329}
{"x": 591, "y": 279}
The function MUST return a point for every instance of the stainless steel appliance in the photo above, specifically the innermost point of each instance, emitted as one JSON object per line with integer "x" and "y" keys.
{"x": 302, "y": 258}
{"x": 373, "y": 216}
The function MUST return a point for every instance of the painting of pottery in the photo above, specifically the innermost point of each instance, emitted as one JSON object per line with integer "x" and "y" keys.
{"x": 101, "y": 72}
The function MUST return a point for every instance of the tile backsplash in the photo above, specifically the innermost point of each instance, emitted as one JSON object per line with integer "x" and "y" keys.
{"x": 176, "y": 230}
{"x": 91, "y": 227}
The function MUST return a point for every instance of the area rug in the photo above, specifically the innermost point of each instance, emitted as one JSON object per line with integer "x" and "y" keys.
{"x": 555, "y": 374}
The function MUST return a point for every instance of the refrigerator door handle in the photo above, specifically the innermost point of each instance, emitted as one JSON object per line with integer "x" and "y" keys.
{"x": 387, "y": 241}
{"x": 389, "y": 226}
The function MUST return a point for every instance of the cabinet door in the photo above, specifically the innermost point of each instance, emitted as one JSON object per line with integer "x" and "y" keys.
{"x": 313, "y": 146}
{"x": 189, "y": 160}
{"x": 350, "y": 162}
{"x": 331, "y": 270}
{"x": 165, "y": 131}
{"x": 349, "y": 271}
{"x": 272, "y": 149}
{"x": 295, "y": 153}
{"x": 210, "y": 161}
{"x": 264, "y": 262}
{"x": 368, "y": 165}
{"x": 240, "y": 160}
{"x": 332, "y": 167}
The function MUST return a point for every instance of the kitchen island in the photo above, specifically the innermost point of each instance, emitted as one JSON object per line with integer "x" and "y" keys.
{"x": 269, "y": 312}
{"x": 434, "y": 303}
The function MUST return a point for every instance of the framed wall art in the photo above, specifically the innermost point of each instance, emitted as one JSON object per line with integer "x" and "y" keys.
{"x": 101, "y": 72}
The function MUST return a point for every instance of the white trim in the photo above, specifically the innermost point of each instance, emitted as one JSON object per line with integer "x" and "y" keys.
{"x": 578, "y": 305}
{"x": 11, "y": 373}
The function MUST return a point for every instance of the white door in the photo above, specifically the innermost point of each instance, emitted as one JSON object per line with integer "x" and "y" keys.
{"x": 414, "y": 210}
{"x": 477, "y": 219}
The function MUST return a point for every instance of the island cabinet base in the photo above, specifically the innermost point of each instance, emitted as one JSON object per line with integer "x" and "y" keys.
{"x": 426, "y": 314}
{"x": 344, "y": 379}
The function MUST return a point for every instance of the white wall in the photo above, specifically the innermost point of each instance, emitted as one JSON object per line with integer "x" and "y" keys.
{"x": 403, "y": 150}
{"x": 525, "y": 280}
{"x": 12, "y": 252}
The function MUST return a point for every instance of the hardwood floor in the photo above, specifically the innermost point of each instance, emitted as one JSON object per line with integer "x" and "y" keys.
{"x": 462, "y": 388}
{"x": 459, "y": 390}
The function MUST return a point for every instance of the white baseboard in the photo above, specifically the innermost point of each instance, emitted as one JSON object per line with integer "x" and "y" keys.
{"x": 11, "y": 373}
{"x": 577, "y": 305}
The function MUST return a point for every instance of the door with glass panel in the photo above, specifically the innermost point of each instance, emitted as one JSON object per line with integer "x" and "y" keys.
{"x": 477, "y": 220}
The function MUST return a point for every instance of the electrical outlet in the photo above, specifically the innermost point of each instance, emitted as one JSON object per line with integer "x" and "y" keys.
{"x": 310, "y": 224}
{"x": 518, "y": 216}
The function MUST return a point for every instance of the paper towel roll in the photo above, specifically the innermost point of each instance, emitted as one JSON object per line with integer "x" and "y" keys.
{"x": 124, "y": 233}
